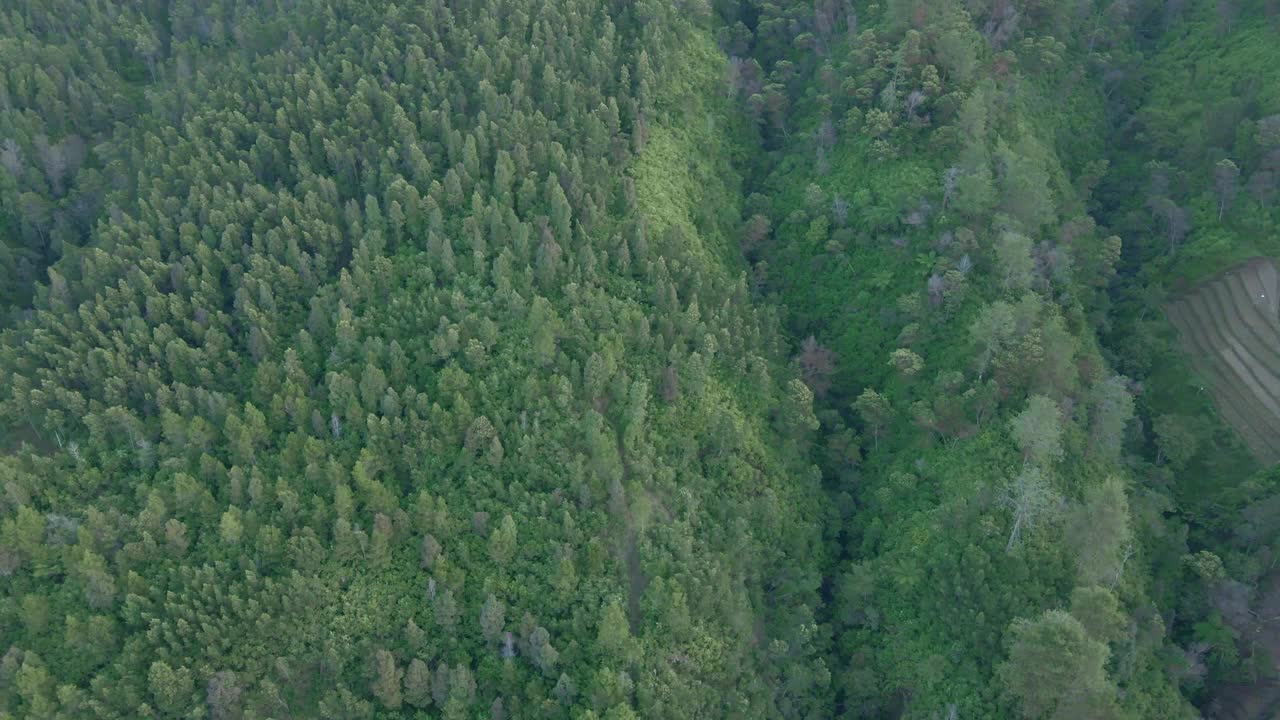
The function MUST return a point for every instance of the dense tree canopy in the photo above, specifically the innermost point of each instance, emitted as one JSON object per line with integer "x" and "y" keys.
{"x": 366, "y": 382}
{"x": 584, "y": 359}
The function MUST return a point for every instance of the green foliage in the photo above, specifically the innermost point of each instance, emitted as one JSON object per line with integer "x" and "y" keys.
{"x": 1037, "y": 430}
{"x": 1099, "y": 531}
{"x": 1191, "y": 190}
{"x": 1056, "y": 670}
{"x": 933, "y": 171}
{"x": 361, "y": 359}
{"x": 391, "y": 359}
{"x": 1099, "y": 612}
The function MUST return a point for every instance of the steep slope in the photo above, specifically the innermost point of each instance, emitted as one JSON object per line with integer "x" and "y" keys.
{"x": 1195, "y": 160}
{"x": 410, "y": 373}
{"x": 1194, "y": 145}
{"x": 922, "y": 214}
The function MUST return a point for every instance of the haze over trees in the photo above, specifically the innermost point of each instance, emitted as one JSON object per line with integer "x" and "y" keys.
{"x": 583, "y": 360}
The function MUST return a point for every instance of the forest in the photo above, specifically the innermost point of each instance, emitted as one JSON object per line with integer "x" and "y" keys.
{"x": 596, "y": 360}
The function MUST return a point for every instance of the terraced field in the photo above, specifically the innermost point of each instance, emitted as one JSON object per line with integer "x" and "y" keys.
{"x": 1230, "y": 328}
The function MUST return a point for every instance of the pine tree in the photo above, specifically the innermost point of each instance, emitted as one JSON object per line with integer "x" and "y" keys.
{"x": 614, "y": 634}
{"x": 492, "y": 619}
{"x": 386, "y": 683}
{"x": 417, "y": 684}
{"x": 502, "y": 542}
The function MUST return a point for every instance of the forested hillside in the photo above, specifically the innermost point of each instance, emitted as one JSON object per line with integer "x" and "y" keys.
{"x": 594, "y": 359}
{"x": 405, "y": 367}
{"x": 924, "y": 218}
{"x": 1193, "y": 118}
{"x": 971, "y": 213}
{"x": 74, "y": 74}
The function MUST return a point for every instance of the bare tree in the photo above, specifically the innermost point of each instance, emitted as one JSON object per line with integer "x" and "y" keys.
{"x": 1002, "y": 23}
{"x": 53, "y": 160}
{"x": 754, "y": 232}
{"x": 1176, "y": 220}
{"x": 1194, "y": 658}
{"x": 840, "y": 210}
{"x": 950, "y": 179}
{"x": 937, "y": 287}
{"x": 1030, "y": 498}
{"x": 222, "y": 692}
{"x": 817, "y": 365}
{"x": 826, "y": 133}
{"x": 1226, "y": 182}
{"x": 914, "y": 99}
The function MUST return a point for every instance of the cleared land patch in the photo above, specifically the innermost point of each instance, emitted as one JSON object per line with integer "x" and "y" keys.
{"x": 1229, "y": 326}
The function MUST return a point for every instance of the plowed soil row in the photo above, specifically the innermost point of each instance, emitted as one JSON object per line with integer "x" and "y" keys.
{"x": 1230, "y": 328}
